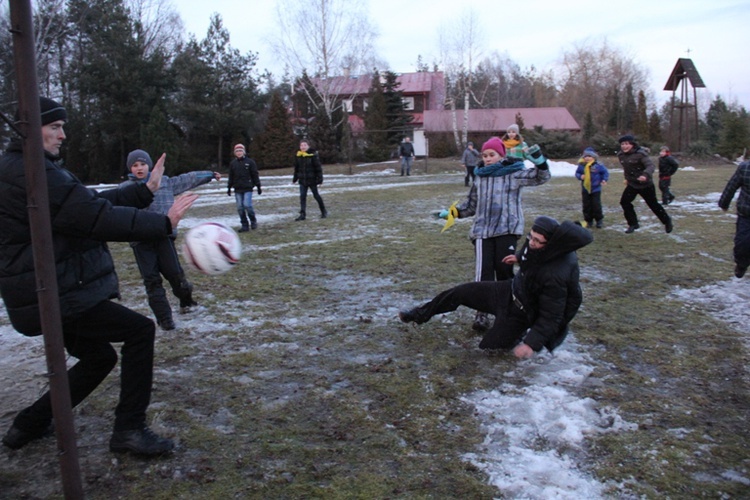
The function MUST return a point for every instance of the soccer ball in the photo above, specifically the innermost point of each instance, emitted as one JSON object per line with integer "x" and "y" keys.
{"x": 211, "y": 248}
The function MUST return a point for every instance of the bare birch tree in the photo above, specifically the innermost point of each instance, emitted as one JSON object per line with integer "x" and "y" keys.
{"x": 325, "y": 38}
{"x": 158, "y": 25}
{"x": 461, "y": 49}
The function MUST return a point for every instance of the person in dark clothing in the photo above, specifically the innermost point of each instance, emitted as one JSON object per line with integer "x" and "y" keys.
{"x": 740, "y": 180}
{"x": 309, "y": 173}
{"x": 469, "y": 160}
{"x": 667, "y": 168}
{"x": 639, "y": 170}
{"x": 593, "y": 175}
{"x": 82, "y": 222}
{"x": 406, "y": 153}
{"x": 243, "y": 177}
{"x": 534, "y": 308}
{"x": 159, "y": 257}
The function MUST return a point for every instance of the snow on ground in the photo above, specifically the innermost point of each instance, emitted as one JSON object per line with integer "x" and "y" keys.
{"x": 535, "y": 432}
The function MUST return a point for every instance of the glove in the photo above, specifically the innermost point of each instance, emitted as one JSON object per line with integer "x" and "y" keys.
{"x": 535, "y": 155}
{"x": 443, "y": 214}
{"x": 259, "y": 191}
{"x": 229, "y": 192}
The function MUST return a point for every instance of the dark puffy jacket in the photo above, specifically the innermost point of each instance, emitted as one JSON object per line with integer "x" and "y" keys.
{"x": 667, "y": 166}
{"x": 634, "y": 164}
{"x": 243, "y": 175}
{"x": 307, "y": 168}
{"x": 82, "y": 222}
{"x": 549, "y": 288}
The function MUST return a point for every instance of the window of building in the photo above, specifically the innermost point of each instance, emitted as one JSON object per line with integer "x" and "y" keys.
{"x": 408, "y": 103}
{"x": 348, "y": 105}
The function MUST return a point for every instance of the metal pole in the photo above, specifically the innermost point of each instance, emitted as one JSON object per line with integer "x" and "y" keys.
{"x": 41, "y": 238}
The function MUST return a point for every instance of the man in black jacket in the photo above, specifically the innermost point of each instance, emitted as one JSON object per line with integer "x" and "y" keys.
{"x": 406, "y": 153}
{"x": 243, "y": 177}
{"x": 82, "y": 222}
{"x": 532, "y": 310}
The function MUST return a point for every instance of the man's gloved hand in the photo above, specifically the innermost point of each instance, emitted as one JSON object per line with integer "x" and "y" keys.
{"x": 259, "y": 190}
{"x": 535, "y": 155}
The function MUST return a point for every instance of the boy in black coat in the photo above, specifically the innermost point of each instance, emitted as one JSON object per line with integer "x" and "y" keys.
{"x": 532, "y": 311}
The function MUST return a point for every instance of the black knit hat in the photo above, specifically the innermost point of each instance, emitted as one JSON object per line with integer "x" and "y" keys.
{"x": 52, "y": 111}
{"x": 139, "y": 155}
{"x": 546, "y": 226}
{"x": 627, "y": 138}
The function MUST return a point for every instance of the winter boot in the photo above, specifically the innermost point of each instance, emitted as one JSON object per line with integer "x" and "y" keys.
{"x": 301, "y": 216}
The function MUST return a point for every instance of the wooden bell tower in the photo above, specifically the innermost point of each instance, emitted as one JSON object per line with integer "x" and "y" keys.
{"x": 683, "y": 119}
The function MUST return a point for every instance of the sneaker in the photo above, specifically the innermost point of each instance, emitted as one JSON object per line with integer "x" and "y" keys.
{"x": 324, "y": 214}
{"x": 301, "y": 217}
{"x": 599, "y": 224}
{"x": 16, "y": 438}
{"x": 632, "y": 228}
{"x": 141, "y": 442}
{"x": 167, "y": 324}
{"x": 739, "y": 270}
{"x": 481, "y": 322}
{"x": 668, "y": 226}
{"x": 244, "y": 229}
{"x": 411, "y": 316}
{"x": 253, "y": 226}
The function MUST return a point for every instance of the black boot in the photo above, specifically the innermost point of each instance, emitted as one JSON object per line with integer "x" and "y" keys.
{"x": 301, "y": 216}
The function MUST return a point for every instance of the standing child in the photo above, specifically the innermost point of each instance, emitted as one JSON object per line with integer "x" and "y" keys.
{"x": 243, "y": 177}
{"x": 157, "y": 258}
{"x": 514, "y": 143}
{"x": 667, "y": 168}
{"x": 309, "y": 172}
{"x": 495, "y": 202}
{"x": 593, "y": 175}
{"x": 740, "y": 180}
{"x": 469, "y": 160}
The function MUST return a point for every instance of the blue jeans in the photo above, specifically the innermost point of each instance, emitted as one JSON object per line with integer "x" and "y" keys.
{"x": 244, "y": 203}
{"x": 406, "y": 164}
{"x": 742, "y": 242}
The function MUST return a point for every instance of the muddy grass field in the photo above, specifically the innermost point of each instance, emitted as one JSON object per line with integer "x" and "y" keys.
{"x": 295, "y": 379}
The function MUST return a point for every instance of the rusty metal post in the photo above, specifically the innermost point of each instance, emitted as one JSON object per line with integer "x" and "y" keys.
{"x": 41, "y": 237}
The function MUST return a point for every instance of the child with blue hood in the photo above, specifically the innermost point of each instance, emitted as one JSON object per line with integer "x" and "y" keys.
{"x": 593, "y": 175}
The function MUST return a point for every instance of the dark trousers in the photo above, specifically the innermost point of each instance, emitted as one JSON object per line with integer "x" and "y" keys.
{"x": 303, "y": 198}
{"x": 592, "y": 206}
{"x": 88, "y": 338}
{"x": 469, "y": 175}
{"x": 649, "y": 196}
{"x": 156, "y": 259}
{"x": 666, "y": 194}
{"x": 742, "y": 242}
{"x": 489, "y": 257}
{"x": 492, "y": 297}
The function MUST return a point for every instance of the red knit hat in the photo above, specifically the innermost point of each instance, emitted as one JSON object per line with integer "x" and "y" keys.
{"x": 496, "y": 144}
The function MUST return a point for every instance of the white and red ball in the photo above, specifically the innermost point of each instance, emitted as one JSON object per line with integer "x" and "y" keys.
{"x": 211, "y": 248}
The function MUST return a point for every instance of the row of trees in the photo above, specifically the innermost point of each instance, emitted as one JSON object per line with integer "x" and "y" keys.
{"x": 130, "y": 80}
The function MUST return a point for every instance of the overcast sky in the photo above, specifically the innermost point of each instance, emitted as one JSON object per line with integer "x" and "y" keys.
{"x": 535, "y": 32}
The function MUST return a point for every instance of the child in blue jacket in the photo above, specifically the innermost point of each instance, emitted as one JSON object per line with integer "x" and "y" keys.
{"x": 593, "y": 175}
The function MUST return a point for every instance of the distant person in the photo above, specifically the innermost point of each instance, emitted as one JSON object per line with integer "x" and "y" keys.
{"x": 532, "y": 309}
{"x": 406, "y": 153}
{"x": 308, "y": 171}
{"x": 638, "y": 170}
{"x": 740, "y": 180}
{"x": 243, "y": 177}
{"x": 593, "y": 175}
{"x": 515, "y": 146}
{"x": 159, "y": 258}
{"x": 667, "y": 168}
{"x": 82, "y": 223}
{"x": 494, "y": 201}
{"x": 469, "y": 160}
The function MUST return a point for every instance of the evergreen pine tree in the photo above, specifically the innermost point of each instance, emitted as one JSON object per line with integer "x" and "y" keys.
{"x": 396, "y": 116}
{"x": 654, "y": 127}
{"x": 629, "y": 109}
{"x": 640, "y": 127}
{"x": 376, "y": 123}
{"x": 276, "y": 144}
{"x": 589, "y": 129}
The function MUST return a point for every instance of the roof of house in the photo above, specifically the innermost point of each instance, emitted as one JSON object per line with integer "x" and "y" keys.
{"x": 496, "y": 121}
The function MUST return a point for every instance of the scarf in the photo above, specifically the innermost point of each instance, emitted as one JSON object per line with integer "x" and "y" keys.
{"x": 499, "y": 169}
{"x": 303, "y": 153}
{"x": 511, "y": 143}
{"x": 587, "y": 176}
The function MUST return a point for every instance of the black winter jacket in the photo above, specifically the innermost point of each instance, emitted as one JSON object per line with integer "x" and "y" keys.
{"x": 667, "y": 166}
{"x": 82, "y": 222}
{"x": 634, "y": 164}
{"x": 547, "y": 285}
{"x": 243, "y": 175}
{"x": 307, "y": 168}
